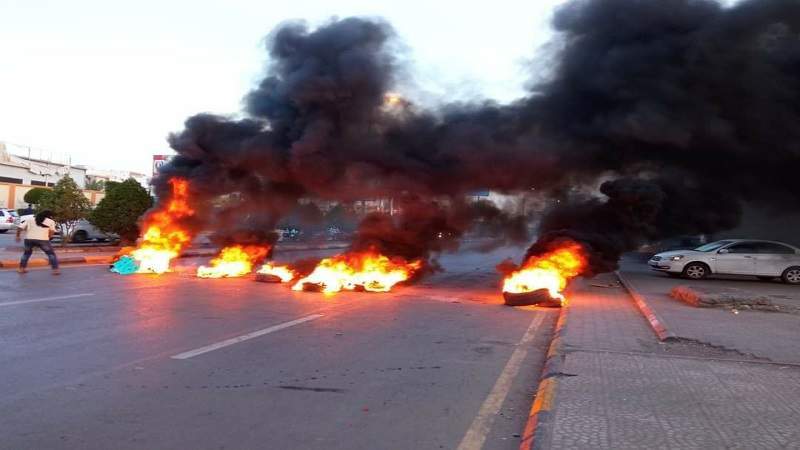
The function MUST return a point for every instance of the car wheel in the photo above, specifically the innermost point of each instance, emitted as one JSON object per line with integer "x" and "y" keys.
{"x": 3, "y": 231}
{"x": 765, "y": 278}
{"x": 696, "y": 271}
{"x": 791, "y": 275}
{"x": 80, "y": 236}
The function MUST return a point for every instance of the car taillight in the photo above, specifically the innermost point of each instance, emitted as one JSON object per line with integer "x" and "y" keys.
{"x": 10, "y": 220}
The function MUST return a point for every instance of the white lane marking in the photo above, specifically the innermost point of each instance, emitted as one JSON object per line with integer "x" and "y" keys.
{"x": 479, "y": 430}
{"x": 244, "y": 337}
{"x": 47, "y": 299}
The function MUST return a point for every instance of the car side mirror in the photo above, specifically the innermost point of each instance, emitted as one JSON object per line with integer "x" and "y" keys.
{"x": 723, "y": 251}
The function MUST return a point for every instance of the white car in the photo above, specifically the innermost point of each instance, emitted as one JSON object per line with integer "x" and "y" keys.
{"x": 8, "y": 220}
{"x": 84, "y": 231}
{"x": 764, "y": 259}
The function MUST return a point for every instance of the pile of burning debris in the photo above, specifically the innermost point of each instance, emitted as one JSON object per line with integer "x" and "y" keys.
{"x": 541, "y": 279}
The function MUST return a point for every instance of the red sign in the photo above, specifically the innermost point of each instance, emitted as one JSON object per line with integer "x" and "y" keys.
{"x": 158, "y": 161}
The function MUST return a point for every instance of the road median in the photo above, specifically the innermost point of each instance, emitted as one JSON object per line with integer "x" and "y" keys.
{"x": 10, "y": 259}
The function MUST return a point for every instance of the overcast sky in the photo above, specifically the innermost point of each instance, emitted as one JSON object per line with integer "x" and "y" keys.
{"x": 105, "y": 81}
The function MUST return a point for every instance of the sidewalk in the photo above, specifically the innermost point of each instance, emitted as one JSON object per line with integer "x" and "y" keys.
{"x": 773, "y": 336}
{"x": 617, "y": 386}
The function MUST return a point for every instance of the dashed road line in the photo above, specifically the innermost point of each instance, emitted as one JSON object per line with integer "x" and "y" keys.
{"x": 244, "y": 337}
{"x": 46, "y": 299}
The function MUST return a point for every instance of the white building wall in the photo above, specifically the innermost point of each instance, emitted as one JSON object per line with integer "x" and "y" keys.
{"x": 27, "y": 177}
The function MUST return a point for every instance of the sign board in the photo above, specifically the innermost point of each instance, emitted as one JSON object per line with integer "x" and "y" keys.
{"x": 158, "y": 161}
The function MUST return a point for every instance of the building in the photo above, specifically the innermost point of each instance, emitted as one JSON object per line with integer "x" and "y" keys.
{"x": 95, "y": 175}
{"x": 19, "y": 174}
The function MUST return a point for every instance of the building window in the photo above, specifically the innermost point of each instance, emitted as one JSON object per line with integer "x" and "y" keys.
{"x": 38, "y": 183}
{"x": 11, "y": 180}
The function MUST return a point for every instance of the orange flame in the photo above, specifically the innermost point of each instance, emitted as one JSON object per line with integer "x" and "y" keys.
{"x": 550, "y": 271}
{"x": 163, "y": 238}
{"x": 369, "y": 270}
{"x": 285, "y": 273}
{"x": 233, "y": 261}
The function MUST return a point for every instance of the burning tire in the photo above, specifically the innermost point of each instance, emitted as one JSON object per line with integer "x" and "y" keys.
{"x": 540, "y": 297}
{"x": 267, "y": 278}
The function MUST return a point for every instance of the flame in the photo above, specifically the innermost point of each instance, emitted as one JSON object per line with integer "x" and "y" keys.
{"x": 163, "y": 238}
{"x": 285, "y": 273}
{"x": 550, "y": 271}
{"x": 369, "y": 270}
{"x": 233, "y": 261}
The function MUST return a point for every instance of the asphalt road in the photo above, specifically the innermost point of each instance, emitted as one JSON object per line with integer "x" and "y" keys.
{"x": 91, "y": 359}
{"x": 7, "y": 238}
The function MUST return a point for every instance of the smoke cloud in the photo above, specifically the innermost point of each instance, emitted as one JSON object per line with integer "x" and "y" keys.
{"x": 680, "y": 111}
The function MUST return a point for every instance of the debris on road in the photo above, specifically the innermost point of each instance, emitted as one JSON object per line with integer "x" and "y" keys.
{"x": 703, "y": 297}
{"x": 126, "y": 265}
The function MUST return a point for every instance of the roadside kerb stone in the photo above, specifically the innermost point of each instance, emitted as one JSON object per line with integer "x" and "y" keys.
{"x": 103, "y": 259}
{"x": 656, "y": 322}
{"x": 85, "y": 249}
{"x": 703, "y": 297}
{"x": 538, "y": 431}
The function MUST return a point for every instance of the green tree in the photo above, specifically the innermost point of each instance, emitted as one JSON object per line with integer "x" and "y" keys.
{"x": 33, "y": 196}
{"x": 119, "y": 211}
{"x": 68, "y": 205}
{"x": 96, "y": 185}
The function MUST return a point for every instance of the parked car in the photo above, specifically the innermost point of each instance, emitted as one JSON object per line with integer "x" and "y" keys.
{"x": 8, "y": 220}
{"x": 766, "y": 260}
{"x": 84, "y": 231}
{"x": 289, "y": 234}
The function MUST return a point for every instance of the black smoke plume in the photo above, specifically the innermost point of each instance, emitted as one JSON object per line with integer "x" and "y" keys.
{"x": 680, "y": 110}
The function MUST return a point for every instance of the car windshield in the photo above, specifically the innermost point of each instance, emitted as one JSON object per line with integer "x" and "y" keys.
{"x": 711, "y": 246}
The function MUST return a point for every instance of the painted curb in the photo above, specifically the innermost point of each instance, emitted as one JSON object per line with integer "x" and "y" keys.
{"x": 41, "y": 262}
{"x": 656, "y": 322}
{"x": 59, "y": 249}
{"x": 103, "y": 259}
{"x": 538, "y": 431}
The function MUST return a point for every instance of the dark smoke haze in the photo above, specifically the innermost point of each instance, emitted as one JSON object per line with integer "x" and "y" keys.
{"x": 681, "y": 111}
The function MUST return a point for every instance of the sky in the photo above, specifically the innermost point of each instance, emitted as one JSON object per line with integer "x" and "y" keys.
{"x": 105, "y": 81}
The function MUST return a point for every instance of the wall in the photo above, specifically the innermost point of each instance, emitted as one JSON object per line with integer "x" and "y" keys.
{"x": 22, "y": 173}
{"x": 12, "y": 195}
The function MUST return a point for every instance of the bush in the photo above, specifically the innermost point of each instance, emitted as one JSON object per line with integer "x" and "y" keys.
{"x": 33, "y": 196}
{"x": 119, "y": 211}
{"x": 67, "y": 203}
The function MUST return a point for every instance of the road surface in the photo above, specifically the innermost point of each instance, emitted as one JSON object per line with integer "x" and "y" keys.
{"x": 92, "y": 359}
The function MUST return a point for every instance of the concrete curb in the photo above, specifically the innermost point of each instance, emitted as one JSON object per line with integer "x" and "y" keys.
{"x": 657, "y": 323}
{"x": 59, "y": 249}
{"x": 70, "y": 260}
{"x": 538, "y": 431}
{"x": 96, "y": 259}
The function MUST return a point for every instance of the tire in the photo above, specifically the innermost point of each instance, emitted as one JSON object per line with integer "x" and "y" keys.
{"x": 791, "y": 275}
{"x": 80, "y": 236}
{"x": 765, "y": 278}
{"x": 696, "y": 271}
{"x": 3, "y": 231}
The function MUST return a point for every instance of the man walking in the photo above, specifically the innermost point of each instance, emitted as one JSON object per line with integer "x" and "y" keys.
{"x": 38, "y": 231}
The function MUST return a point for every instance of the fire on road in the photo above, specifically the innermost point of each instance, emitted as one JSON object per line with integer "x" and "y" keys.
{"x": 181, "y": 361}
